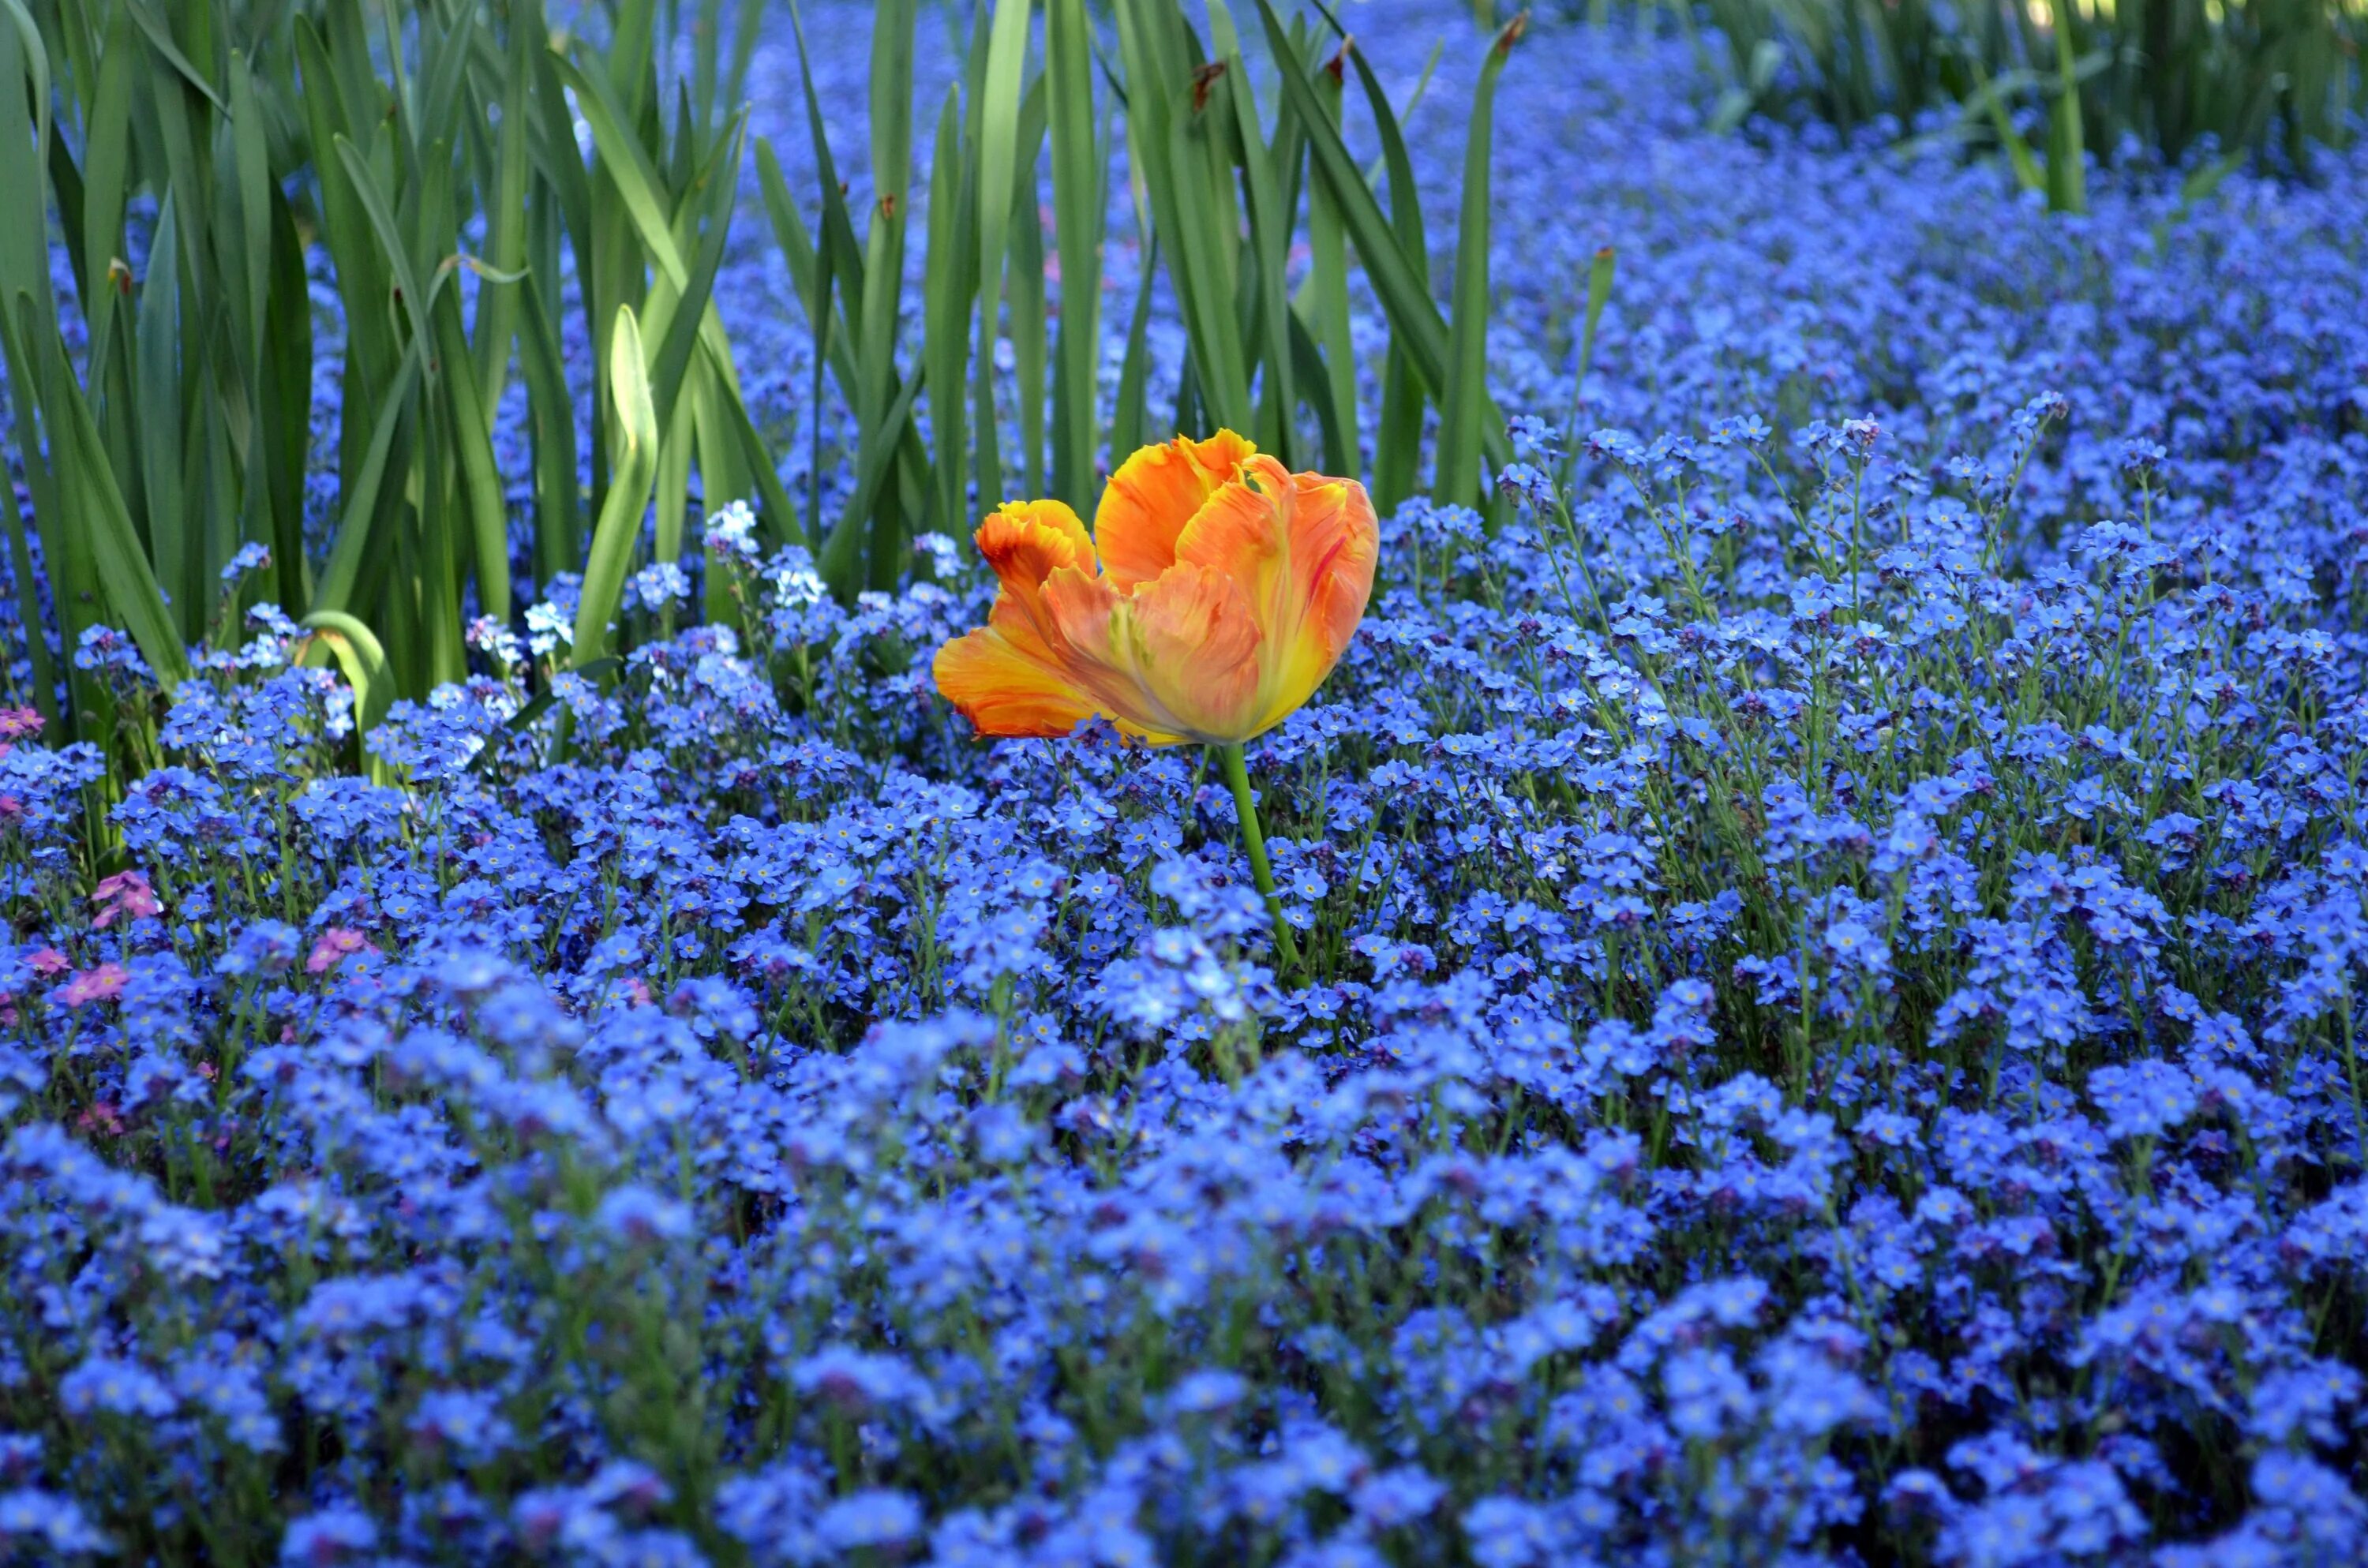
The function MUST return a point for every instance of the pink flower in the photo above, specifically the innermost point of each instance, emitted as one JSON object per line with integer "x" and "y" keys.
{"x": 126, "y": 896}
{"x": 103, "y": 983}
{"x": 101, "y": 1116}
{"x": 48, "y": 962}
{"x": 14, "y": 724}
{"x": 337, "y": 944}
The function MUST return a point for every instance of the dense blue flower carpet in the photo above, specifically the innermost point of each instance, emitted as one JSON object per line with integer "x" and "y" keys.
{"x": 1825, "y": 1021}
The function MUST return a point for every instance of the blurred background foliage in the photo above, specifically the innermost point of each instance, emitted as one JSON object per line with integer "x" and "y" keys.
{"x": 2189, "y": 83}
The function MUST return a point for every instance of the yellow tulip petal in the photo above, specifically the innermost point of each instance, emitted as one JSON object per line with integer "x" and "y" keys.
{"x": 1153, "y": 495}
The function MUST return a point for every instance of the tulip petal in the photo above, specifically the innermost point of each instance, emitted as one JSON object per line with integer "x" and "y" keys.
{"x": 1336, "y": 541}
{"x": 1005, "y": 688}
{"x": 1196, "y": 644}
{"x": 1025, "y": 542}
{"x": 1153, "y": 495}
{"x": 1175, "y": 660}
{"x": 1303, "y": 548}
{"x": 1243, "y": 532}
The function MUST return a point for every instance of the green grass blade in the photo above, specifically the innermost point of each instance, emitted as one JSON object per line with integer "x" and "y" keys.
{"x": 756, "y": 462}
{"x": 251, "y": 160}
{"x": 812, "y": 267}
{"x": 677, "y": 435}
{"x": 837, "y": 224}
{"x": 1599, "y": 274}
{"x": 1989, "y": 97}
{"x": 158, "y": 411}
{"x": 689, "y": 315}
{"x": 813, "y": 272}
{"x": 1179, "y": 174}
{"x": 160, "y": 38}
{"x": 34, "y": 61}
{"x": 29, "y": 611}
{"x": 880, "y": 321}
{"x": 1317, "y": 385}
{"x": 1402, "y": 289}
{"x": 841, "y": 561}
{"x": 892, "y": 170}
{"x": 24, "y": 221}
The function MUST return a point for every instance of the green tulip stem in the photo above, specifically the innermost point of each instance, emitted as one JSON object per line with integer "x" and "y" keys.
{"x": 1237, "y": 774}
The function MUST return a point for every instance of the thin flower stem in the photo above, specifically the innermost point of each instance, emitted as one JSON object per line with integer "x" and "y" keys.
{"x": 1237, "y": 774}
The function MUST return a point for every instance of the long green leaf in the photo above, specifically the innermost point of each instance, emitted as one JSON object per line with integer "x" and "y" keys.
{"x": 351, "y": 546}
{"x": 1465, "y": 402}
{"x": 2068, "y": 182}
{"x": 1398, "y": 284}
{"x": 1324, "y": 298}
{"x": 496, "y": 328}
{"x": 949, "y": 285}
{"x": 1271, "y": 221}
{"x": 363, "y": 658}
{"x": 160, "y": 38}
{"x": 413, "y": 301}
{"x": 996, "y": 114}
{"x": 628, "y": 164}
{"x": 618, "y": 533}
{"x": 481, "y": 482}
{"x": 1027, "y": 285}
{"x": 1133, "y": 373}
{"x": 107, "y": 162}
{"x": 551, "y": 412}
{"x": 97, "y": 508}
{"x": 1079, "y": 190}
{"x": 251, "y": 160}
{"x": 286, "y": 410}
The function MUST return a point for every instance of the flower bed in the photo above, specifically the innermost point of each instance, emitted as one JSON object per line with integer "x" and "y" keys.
{"x": 1823, "y": 1024}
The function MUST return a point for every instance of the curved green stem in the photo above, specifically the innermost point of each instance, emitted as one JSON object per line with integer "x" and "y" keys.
{"x": 1237, "y": 774}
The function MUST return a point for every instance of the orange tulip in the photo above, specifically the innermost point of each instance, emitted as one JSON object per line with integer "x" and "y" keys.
{"x": 1217, "y": 592}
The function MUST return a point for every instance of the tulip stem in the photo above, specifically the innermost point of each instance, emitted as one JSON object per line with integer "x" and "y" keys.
{"x": 1237, "y": 774}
